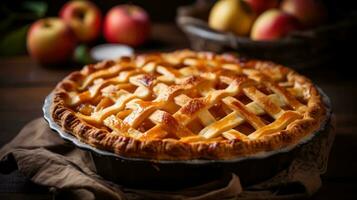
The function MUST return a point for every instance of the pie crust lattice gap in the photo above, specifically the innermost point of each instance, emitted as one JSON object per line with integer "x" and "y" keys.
{"x": 187, "y": 98}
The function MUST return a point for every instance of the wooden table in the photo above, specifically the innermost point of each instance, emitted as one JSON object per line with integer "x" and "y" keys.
{"x": 24, "y": 85}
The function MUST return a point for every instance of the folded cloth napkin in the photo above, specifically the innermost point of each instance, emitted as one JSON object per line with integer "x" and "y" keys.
{"x": 69, "y": 172}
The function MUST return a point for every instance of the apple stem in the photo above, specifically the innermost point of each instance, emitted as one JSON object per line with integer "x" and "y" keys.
{"x": 46, "y": 24}
{"x": 80, "y": 14}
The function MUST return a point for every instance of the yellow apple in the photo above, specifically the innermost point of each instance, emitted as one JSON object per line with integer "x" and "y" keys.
{"x": 231, "y": 15}
{"x": 51, "y": 41}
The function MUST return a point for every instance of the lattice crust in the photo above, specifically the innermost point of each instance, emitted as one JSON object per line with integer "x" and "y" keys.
{"x": 186, "y": 105}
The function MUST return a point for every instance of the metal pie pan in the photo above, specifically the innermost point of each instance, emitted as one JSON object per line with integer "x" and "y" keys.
{"x": 173, "y": 174}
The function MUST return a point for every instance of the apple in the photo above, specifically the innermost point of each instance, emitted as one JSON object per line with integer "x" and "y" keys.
{"x": 127, "y": 24}
{"x": 259, "y": 6}
{"x": 231, "y": 15}
{"x": 84, "y": 18}
{"x": 273, "y": 24}
{"x": 309, "y": 12}
{"x": 50, "y": 41}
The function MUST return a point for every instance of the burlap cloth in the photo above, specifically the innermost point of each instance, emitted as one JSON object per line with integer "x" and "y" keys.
{"x": 69, "y": 172}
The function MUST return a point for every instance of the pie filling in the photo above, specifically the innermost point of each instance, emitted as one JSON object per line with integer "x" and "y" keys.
{"x": 191, "y": 99}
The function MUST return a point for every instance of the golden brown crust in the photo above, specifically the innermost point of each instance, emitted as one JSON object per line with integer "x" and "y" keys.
{"x": 172, "y": 149}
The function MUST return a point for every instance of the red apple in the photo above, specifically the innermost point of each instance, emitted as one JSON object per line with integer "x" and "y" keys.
{"x": 127, "y": 24}
{"x": 259, "y": 6}
{"x": 84, "y": 18}
{"x": 50, "y": 41}
{"x": 309, "y": 12}
{"x": 273, "y": 24}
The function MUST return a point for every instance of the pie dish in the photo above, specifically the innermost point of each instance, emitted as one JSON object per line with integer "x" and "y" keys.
{"x": 187, "y": 105}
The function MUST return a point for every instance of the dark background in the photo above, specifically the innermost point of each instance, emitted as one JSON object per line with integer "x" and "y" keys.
{"x": 24, "y": 85}
{"x": 15, "y": 17}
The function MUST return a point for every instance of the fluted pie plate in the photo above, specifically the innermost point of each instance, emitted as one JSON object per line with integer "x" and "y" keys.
{"x": 177, "y": 119}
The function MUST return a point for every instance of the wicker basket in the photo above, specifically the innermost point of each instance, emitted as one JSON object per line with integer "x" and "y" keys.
{"x": 300, "y": 49}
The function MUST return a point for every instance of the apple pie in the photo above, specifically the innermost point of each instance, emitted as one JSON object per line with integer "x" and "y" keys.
{"x": 187, "y": 105}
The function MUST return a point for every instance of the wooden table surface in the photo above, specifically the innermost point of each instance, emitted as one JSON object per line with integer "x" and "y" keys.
{"x": 24, "y": 85}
